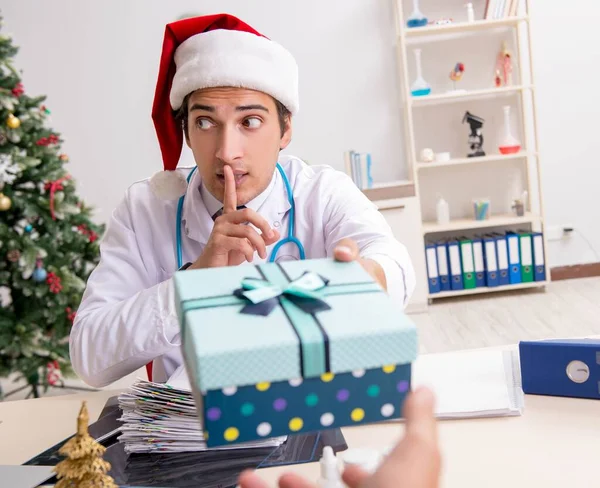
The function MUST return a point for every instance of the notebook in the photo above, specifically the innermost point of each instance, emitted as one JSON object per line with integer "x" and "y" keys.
{"x": 470, "y": 384}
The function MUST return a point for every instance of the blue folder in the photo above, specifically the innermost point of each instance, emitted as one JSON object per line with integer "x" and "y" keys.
{"x": 539, "y": 261}
{"x": 502, "y": 255}
{"x": 443, "y": 269}
{"x": 432, "y": 268}
{"x": 478, "y": 256}
{"x": 491, "y": 261}
{"x": 514, "y": 257}
{"x": 455, "y": 265}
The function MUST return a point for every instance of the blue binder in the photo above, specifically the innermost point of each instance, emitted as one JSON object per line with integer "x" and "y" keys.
{"x": 479, "y": 261}
{"x": 432, "y": 268}
{"x": 562, "y": 367}
{"x": 491, "y": 261}
{"x": 455, "y": 265}
{"x": 502, "y": 250}
{"x": 442, "y": 260}
{"x": 514, "y": 257}
{"x": 539, "y": 263}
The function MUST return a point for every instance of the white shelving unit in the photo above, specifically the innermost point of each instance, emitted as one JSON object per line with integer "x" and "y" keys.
{"x": 461, "y": 176}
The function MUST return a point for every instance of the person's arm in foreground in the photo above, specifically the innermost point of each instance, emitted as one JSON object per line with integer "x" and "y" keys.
{"x": 415, "y": 462}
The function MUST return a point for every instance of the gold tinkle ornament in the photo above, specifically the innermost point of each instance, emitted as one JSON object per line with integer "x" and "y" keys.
{"x": 5, "y": 202}
{"x": 13, "y": 122}
{"x": 84, "y": 466}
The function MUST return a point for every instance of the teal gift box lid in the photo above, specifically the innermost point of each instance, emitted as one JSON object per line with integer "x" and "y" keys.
{"x": 247, "y": 324}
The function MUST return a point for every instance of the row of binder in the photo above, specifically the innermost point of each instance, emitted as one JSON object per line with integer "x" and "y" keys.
{"x": 489, "y": 260}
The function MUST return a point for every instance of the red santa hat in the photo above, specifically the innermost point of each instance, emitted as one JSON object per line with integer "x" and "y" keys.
{"x": 212, "y": 51}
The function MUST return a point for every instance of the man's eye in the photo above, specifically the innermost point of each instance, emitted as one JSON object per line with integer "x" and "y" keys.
{"x": 204, "y": 124}
{"x": 252, "y": 122}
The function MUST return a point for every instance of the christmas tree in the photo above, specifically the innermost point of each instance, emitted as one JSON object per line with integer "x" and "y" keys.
{"x": 48, "y": 243}
{"x": 84, "y": 466}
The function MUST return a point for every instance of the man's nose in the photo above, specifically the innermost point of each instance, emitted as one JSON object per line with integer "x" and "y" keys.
{"x": 230, "y": 145}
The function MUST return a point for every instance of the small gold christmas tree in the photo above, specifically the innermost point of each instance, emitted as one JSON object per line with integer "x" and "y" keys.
{"x": 84, "y": 466}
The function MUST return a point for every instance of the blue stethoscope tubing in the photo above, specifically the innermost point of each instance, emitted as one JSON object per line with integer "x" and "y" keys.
{"x": 291, "y": 238}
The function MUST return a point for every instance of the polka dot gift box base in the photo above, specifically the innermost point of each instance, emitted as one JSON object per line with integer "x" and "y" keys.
{"x": 299, "y": 346}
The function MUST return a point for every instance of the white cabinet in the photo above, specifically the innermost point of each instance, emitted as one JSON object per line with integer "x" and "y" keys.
{"x": 404, "y": 217}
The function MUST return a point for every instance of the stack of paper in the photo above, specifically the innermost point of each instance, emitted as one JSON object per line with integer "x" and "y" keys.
{"x": 472, "y": 383}
{"x": 161, "y": 417}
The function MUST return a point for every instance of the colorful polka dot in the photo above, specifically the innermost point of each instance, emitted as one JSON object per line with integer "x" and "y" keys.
{"x": 230, "y": 390}
{"x": 387, "y": 410}
{"x": 357, "y": 414}
{"x": 231, "y": 434}
{"x": 247, "y": 409}
{"x": 311, "y": 399}
{"x": 390, "y": 368}
{"x": 327, "y": 419}
{"x": 296, "y": 424}
{"x": 359, "y": 373}
{"x": 213, "y": 413}
{"x": 327, "y": 377}
{"x": 264, "y": 386}
{"x": 280, "y": 404}
{"x": 343, "y": 395}
{"x": 295, "y": 382}
{"x": 373, "y": 391}
{"x": 263, "y": 429}
{"x": 402, "y": 386}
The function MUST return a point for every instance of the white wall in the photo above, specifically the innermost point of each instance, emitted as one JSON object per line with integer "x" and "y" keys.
{"x": 98, "y": 68}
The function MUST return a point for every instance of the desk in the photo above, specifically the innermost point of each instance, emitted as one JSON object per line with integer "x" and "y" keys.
{"x": 554, "y": 444}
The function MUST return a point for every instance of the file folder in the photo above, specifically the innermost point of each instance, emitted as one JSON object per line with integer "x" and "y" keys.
{"x": 514, "y": 258}
{"x": 432, "y": 268}
{"x": 468, "y": 264}
{"x": 491, "y": 263}
{"x": 455, "y": 265}
{"x": 526, "y": 257}
{"x": 442, "y": 260}
{"x": 539, "y": 269}
{"x": 479, "y": 262}
{"x": 502, "y": 250}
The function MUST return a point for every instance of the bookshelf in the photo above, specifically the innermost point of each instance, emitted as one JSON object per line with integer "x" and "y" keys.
{"x": 436, "y": 120}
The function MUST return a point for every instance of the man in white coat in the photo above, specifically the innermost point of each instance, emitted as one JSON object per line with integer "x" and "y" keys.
{"x": 230, "y": 93}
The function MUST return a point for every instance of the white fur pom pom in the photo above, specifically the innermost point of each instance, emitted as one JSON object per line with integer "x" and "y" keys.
{"x": 168, "y": 185}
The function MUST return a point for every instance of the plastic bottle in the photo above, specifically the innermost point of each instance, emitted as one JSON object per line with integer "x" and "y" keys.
{"x": 442, "y": 211}
{"x": 330, "y": 472}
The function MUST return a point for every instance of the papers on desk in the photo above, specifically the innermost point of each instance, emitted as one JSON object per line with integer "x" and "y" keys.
{"x": 161, "y": 417}
{"x": 472, "y": 383}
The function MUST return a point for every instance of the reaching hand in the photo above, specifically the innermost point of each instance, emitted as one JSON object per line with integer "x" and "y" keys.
{"x": 415, "y": 462}
{"x": 231, "y": 242}
{"x": 347, "y": 250}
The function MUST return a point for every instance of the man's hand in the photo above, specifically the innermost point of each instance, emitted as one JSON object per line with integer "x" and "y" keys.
{"x": 347, "y": 250}
{"x": 415, "y": 462}
{"x": 231, "y": 242}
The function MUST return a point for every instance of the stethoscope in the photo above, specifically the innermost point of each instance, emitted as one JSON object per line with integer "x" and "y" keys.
{"x": 291, "y": 238}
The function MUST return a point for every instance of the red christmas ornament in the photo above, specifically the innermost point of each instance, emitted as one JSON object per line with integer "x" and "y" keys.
{"x": 46, "y": 141}
{"x": 53, "y": 375}
{"x": 18, "y": 90}
{"x": 54, "y": 283}
{"x": 70, "y": 314}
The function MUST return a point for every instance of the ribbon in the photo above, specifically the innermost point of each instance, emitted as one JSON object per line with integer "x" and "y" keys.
{"x": 302, "y": 292}
{"x": 300, "y": 300}
{"x": 54, "y": 187}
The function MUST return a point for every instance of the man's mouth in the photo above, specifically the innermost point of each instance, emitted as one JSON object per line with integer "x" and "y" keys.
{"x": 238, "y": 176}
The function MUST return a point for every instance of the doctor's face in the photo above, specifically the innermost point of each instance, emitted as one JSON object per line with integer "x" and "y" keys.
{"x": 239, "y": 128}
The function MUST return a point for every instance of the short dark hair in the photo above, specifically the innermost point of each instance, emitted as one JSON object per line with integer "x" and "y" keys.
{"x": 181, "y": 115}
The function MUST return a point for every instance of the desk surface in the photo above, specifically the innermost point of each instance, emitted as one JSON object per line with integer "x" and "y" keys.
{"x": 554, "y": 444}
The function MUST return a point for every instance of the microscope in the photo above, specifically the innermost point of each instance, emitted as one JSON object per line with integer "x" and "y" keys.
{"x": 476, "y": 136}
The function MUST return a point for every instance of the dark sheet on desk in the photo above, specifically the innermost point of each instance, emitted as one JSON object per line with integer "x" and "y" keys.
{"x": 193, "y": 469}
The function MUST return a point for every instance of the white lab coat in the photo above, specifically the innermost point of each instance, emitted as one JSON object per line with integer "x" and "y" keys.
{"x": 127, "y": 317}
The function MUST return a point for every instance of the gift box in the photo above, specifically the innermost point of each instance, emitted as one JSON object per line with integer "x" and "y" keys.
{"x": 284, "y": 348}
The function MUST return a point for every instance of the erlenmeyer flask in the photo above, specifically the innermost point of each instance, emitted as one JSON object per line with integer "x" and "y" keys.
{"x": 419, "y": 87}
{"x": 416, "y": 19}
{"x": 509, "y": 144}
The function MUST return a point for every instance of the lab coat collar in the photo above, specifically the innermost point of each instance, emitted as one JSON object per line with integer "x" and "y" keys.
{"x": 197, "y": 222}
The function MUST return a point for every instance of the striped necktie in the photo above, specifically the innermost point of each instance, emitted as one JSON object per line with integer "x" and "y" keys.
{"x": 219, "y": 212}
